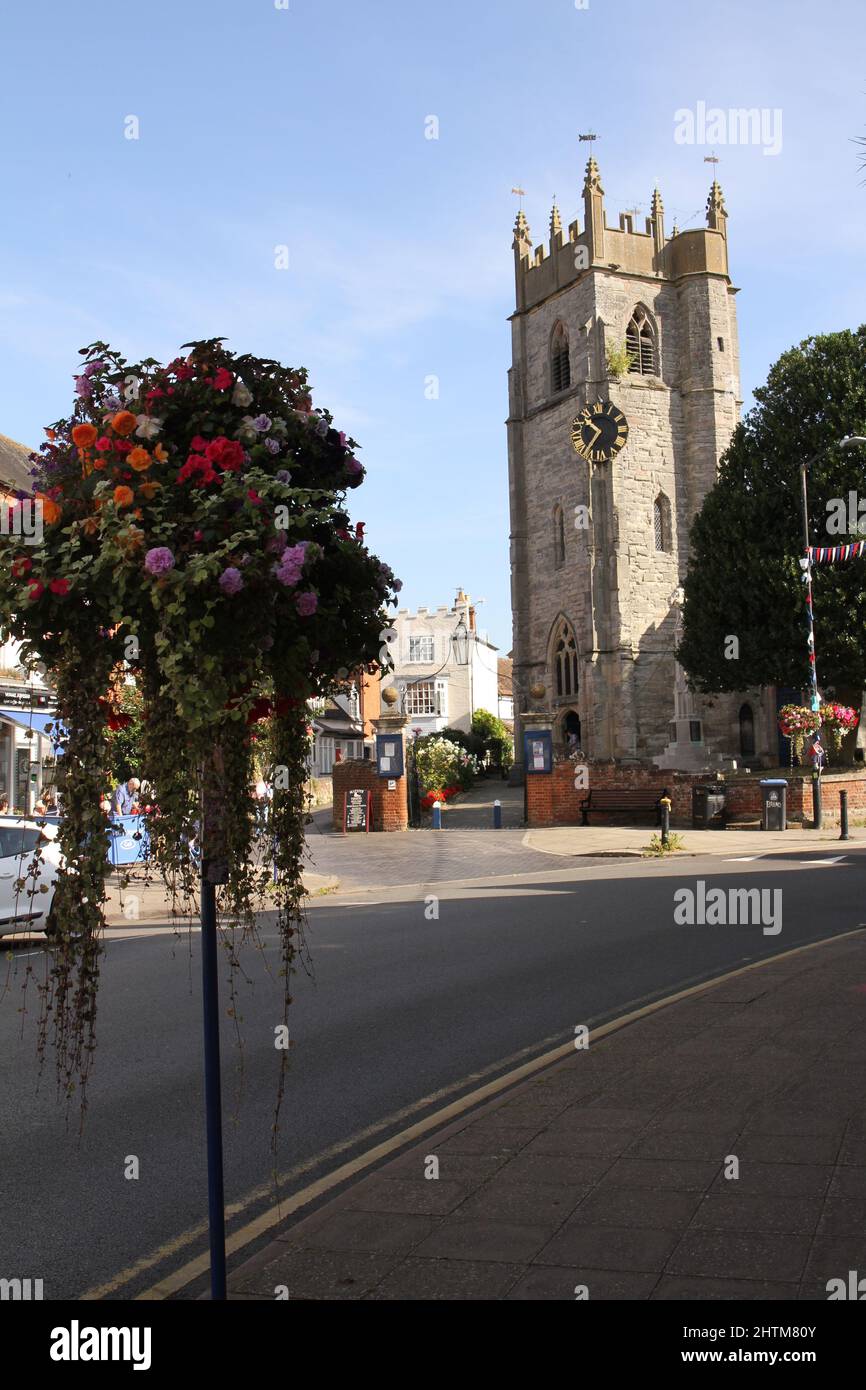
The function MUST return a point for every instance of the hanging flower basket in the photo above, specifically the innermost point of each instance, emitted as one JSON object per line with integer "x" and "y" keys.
{"x": 194, "y": 528}
{"x": 796, "y": 722}
{"x": 837, "y": 721}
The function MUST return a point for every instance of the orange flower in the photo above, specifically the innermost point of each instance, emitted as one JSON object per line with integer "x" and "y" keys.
{"x": 123, "y": 496}
{"x": 98, "y": 462}
{"x": 160, "y": 453}
{"x": 139, "y": 459}
{"x": 149, "y": 489}
{"x": 84, "y": 436}
{"x": 52, "y": 434}
{"x": 123, "y": 422}
{"x": 50, "y": 510}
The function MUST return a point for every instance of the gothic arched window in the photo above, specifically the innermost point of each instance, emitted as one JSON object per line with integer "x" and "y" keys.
{"x": 747, "y": 731}
{"x": 565, "y": 660}
{"x": 662, "y": 522}
{"x": 560, "y": 367}
{"x": 558, "y": 538}
{"x": 640, "y": 344}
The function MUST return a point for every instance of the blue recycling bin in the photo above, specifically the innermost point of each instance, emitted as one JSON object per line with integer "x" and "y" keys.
{"x": 129, "y": 843}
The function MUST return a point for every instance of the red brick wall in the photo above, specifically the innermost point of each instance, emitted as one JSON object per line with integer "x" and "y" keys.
{"x": 553, "y": 799}
{"x": 390, "y": 809}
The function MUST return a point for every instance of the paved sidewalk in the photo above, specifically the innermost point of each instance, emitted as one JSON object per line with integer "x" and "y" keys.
{"x": 619, "y": 841}
{"x": 610, "y": 1169}
{"x": 138, "y": 902}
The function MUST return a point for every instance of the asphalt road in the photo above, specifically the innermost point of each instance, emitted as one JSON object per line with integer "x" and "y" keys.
{"x": 403, "y": 1013}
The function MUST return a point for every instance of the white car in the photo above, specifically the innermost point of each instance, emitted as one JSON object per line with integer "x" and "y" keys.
{"x": 30, "y": 861}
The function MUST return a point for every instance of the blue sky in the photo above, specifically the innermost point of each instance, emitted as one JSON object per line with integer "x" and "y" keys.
{"x": 306, "y": 127}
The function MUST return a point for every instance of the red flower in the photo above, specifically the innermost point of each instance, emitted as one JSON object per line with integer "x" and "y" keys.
{"x": 119, "y": 721}
{"x": 152, "y": 395}
{"x": 359, "y": 530}
{"x": 261, "y": 709}
{"x": 254, "y": 497}
{"x": 198, "y": 443}
{"x": 223, "y": 380}
{"x": 199, "y": 470}
{"x": 103, "y": 443}
{"x": 59, "y": 586}
{"x": 123, "y": 446}
{"x": 227, "y": 454}
{"x": 21, "y": 566}
{"x": 36, "y": 589}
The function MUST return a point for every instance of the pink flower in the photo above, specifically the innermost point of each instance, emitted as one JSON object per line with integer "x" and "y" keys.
{"x": 306, "y": 604}
{"x": 231, "y": 580}
{"x": 353, "y": 465}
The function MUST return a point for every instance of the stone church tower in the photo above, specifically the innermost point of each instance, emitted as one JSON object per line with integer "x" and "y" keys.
{"x": 599, "y": 539}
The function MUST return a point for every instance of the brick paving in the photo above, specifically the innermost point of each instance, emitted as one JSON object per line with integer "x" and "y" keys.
{"x": 612, "y": 1169}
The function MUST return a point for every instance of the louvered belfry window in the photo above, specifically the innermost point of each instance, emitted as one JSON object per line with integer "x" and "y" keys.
{"x": 640, "y": 345}
{"x": 560, "y": 367}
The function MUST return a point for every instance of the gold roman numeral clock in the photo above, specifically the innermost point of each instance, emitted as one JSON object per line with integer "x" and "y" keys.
{"x": 599, "y": 432}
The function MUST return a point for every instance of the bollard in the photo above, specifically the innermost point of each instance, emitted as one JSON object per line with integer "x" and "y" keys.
{"x": 666, "y": 819}
{"x": 843, "y": 816}
{"x": 817, "y": 808}
{"x": 497, "y": 814}
{"x": 437, "y": 815}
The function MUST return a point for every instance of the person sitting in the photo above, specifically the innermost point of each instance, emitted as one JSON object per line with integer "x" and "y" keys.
{"x": 124, "y": 802}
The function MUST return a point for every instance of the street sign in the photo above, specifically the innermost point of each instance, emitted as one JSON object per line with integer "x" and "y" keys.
{"x": 356, "y": 810}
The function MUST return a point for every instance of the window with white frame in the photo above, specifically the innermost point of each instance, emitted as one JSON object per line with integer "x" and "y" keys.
{"x": 420, "y": 648}
{"x": 421, "y": 698}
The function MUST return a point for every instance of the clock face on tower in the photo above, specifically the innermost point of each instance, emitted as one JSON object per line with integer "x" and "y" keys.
{"x": 599, "y": 432}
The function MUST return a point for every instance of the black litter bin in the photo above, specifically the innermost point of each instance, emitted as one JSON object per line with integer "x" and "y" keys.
{"x": 774, "y": 792}
{"x": 708, "y": 807}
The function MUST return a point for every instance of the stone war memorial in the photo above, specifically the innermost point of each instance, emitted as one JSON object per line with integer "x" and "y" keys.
{"x": 624, "y": 392}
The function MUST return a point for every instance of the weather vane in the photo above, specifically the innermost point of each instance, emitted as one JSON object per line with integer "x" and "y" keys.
{"x": 521, "y": 192}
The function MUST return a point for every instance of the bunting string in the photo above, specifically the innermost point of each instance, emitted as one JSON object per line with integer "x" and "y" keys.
{"x": 832, "y": 554}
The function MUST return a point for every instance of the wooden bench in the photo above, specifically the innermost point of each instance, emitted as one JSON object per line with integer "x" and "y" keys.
{"x": 622, "y": 799}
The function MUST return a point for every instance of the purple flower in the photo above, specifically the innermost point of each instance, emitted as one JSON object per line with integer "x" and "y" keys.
{"x": 83, "y": 387}
{"x": 284, "y": 476}
{"x": 262, "y": 423}
{"x": 231, "y": 581}
{"x": 306, "y": 604}
{"x": 93, "y": 367}
{"x": 112, "y": 401}
{"x": 353, "y": 466}
{"x": 272, "y": 445}
{"x": 159, "y": 560}
{"x": 288, "y": 571}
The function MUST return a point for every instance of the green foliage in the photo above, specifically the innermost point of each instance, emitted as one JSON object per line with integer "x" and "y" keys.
{"x": 618, "y": 360}
{"x": 441, "y": 763}
{"x": 491, "y": 729}
{"x": 743, "y": 577}
{"x": 655, "y": 848}
{"x": 123, "y": 746}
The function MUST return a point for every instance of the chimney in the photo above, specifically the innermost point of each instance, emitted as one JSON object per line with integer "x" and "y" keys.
{"x": 471, "y": 618}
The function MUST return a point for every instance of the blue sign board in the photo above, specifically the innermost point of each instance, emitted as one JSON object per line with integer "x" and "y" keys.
{"x": 129, "y": 841}
{"x": 389, "y": 755}
{"x": 538, "y": 750}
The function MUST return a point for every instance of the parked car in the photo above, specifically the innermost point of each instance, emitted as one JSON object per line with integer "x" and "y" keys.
{"x": 28, "y": 852}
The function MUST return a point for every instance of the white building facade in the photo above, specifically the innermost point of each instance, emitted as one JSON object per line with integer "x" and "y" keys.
{"x": 444, "y": 667}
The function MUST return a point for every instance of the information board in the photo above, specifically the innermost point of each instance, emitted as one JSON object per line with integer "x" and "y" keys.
{"x": 356, "y": 810}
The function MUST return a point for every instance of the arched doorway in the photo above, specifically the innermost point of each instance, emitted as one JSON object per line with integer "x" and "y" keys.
{"x": 571, "y": 729}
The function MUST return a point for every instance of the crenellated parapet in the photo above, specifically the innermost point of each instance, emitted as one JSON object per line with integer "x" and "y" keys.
{"x": 624, "y": 249}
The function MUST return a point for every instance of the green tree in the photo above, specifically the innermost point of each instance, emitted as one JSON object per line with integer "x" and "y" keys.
{"x": 492, "y": 730}
{"x": 744, "y": 578}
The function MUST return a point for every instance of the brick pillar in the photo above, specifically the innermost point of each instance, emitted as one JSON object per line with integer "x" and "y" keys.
{"x": 391, "y": 805}
{"x": 538, "y": 786}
